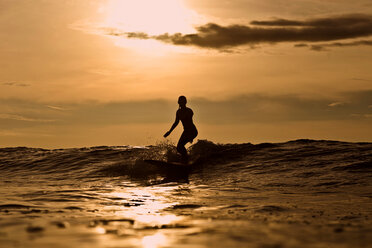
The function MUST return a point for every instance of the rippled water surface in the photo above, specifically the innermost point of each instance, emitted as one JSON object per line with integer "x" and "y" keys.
{"x": 302, "y": 193}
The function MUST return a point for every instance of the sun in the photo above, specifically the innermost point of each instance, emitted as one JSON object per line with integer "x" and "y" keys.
{"x": 150, "y": 16}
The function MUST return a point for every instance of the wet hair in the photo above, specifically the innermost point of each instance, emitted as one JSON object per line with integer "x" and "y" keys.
{"x": 182, "y": 99}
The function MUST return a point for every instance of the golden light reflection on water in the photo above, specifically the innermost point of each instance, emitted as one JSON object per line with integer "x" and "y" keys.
{"x": 145, "y": 206}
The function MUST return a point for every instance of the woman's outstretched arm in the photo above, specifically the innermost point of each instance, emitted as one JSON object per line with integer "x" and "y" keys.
{"x": 173, "y": 126}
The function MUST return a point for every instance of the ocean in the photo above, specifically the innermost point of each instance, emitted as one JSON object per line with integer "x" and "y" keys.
{"x": 302, "y": 193}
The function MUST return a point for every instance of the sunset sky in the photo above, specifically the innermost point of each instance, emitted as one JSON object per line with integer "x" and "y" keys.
{"x": 108, "y": 72}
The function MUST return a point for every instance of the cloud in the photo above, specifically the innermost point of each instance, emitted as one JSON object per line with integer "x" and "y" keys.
{"x": 301, "y": 45}
{"x": 361, "y": 79}
{"x": 265, "y": 108}
{"x": 347, "y": 21}
{"x": 244, "y": 109}
{"x": 318, "y": 48}
{"x": 278, "y": 22}
{"x": 16, "y": 84}
{"x": 22, "y": 118}
{"x": 25, "y": 113}
{"x": 323, "y": 47}
{"x": 216, "y": 36}
{"x": 336, "y": 104}
{"x": 56, "y": 108}
{"x": 9, "y": 133}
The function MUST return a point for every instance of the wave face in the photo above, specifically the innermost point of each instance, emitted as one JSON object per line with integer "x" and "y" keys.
{"x": 299, "y": 163}
{"x": 233, "y": 195}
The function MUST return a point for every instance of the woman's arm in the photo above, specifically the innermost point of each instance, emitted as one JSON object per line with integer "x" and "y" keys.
{"x": 173, "y": 126}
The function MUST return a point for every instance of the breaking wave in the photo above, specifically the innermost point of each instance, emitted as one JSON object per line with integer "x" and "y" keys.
{"x": 300, "y": 162}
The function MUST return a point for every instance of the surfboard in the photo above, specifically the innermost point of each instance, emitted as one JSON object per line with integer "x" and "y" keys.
{"x": 167, "y": 164}
{"x": 174, "y": 165}
{"x": 171, "y": 169}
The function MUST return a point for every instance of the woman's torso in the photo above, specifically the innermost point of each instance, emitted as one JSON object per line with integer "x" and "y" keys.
{"x": 185, "y": 115}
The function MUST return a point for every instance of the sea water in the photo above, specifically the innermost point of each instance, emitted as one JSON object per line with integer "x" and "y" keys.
{"x": 301, "y": 193}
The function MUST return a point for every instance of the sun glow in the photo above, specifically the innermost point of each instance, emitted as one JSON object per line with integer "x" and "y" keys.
{"x": 154, "y": 241}
{"x": 150, "y": 17}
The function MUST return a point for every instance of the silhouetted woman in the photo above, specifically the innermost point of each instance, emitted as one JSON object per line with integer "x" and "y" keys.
{"x": 189, "y": 130}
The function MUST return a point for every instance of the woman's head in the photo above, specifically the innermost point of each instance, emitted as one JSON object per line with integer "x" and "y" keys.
{"x": 182, "y": 100}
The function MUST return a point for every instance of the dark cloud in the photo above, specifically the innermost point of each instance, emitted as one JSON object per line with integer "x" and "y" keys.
{"x": 353, "y": 20}
{"x": 278, "y": 22}
{"x": 301, "y": 45}
{"x": 140, "y": 35}
{"x": 323, "y": 47}
{"x": 318, "y": 48}
{"x": 274, "y": 31}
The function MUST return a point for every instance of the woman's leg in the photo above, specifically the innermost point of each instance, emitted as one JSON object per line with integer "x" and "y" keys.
{"x": 181, "y": 147}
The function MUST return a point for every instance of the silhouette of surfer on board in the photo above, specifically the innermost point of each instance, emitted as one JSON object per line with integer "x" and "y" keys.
{"x": 184, "y": 114}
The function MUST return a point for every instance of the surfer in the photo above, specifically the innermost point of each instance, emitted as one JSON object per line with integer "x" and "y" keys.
{"x": 189, "y": 130}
